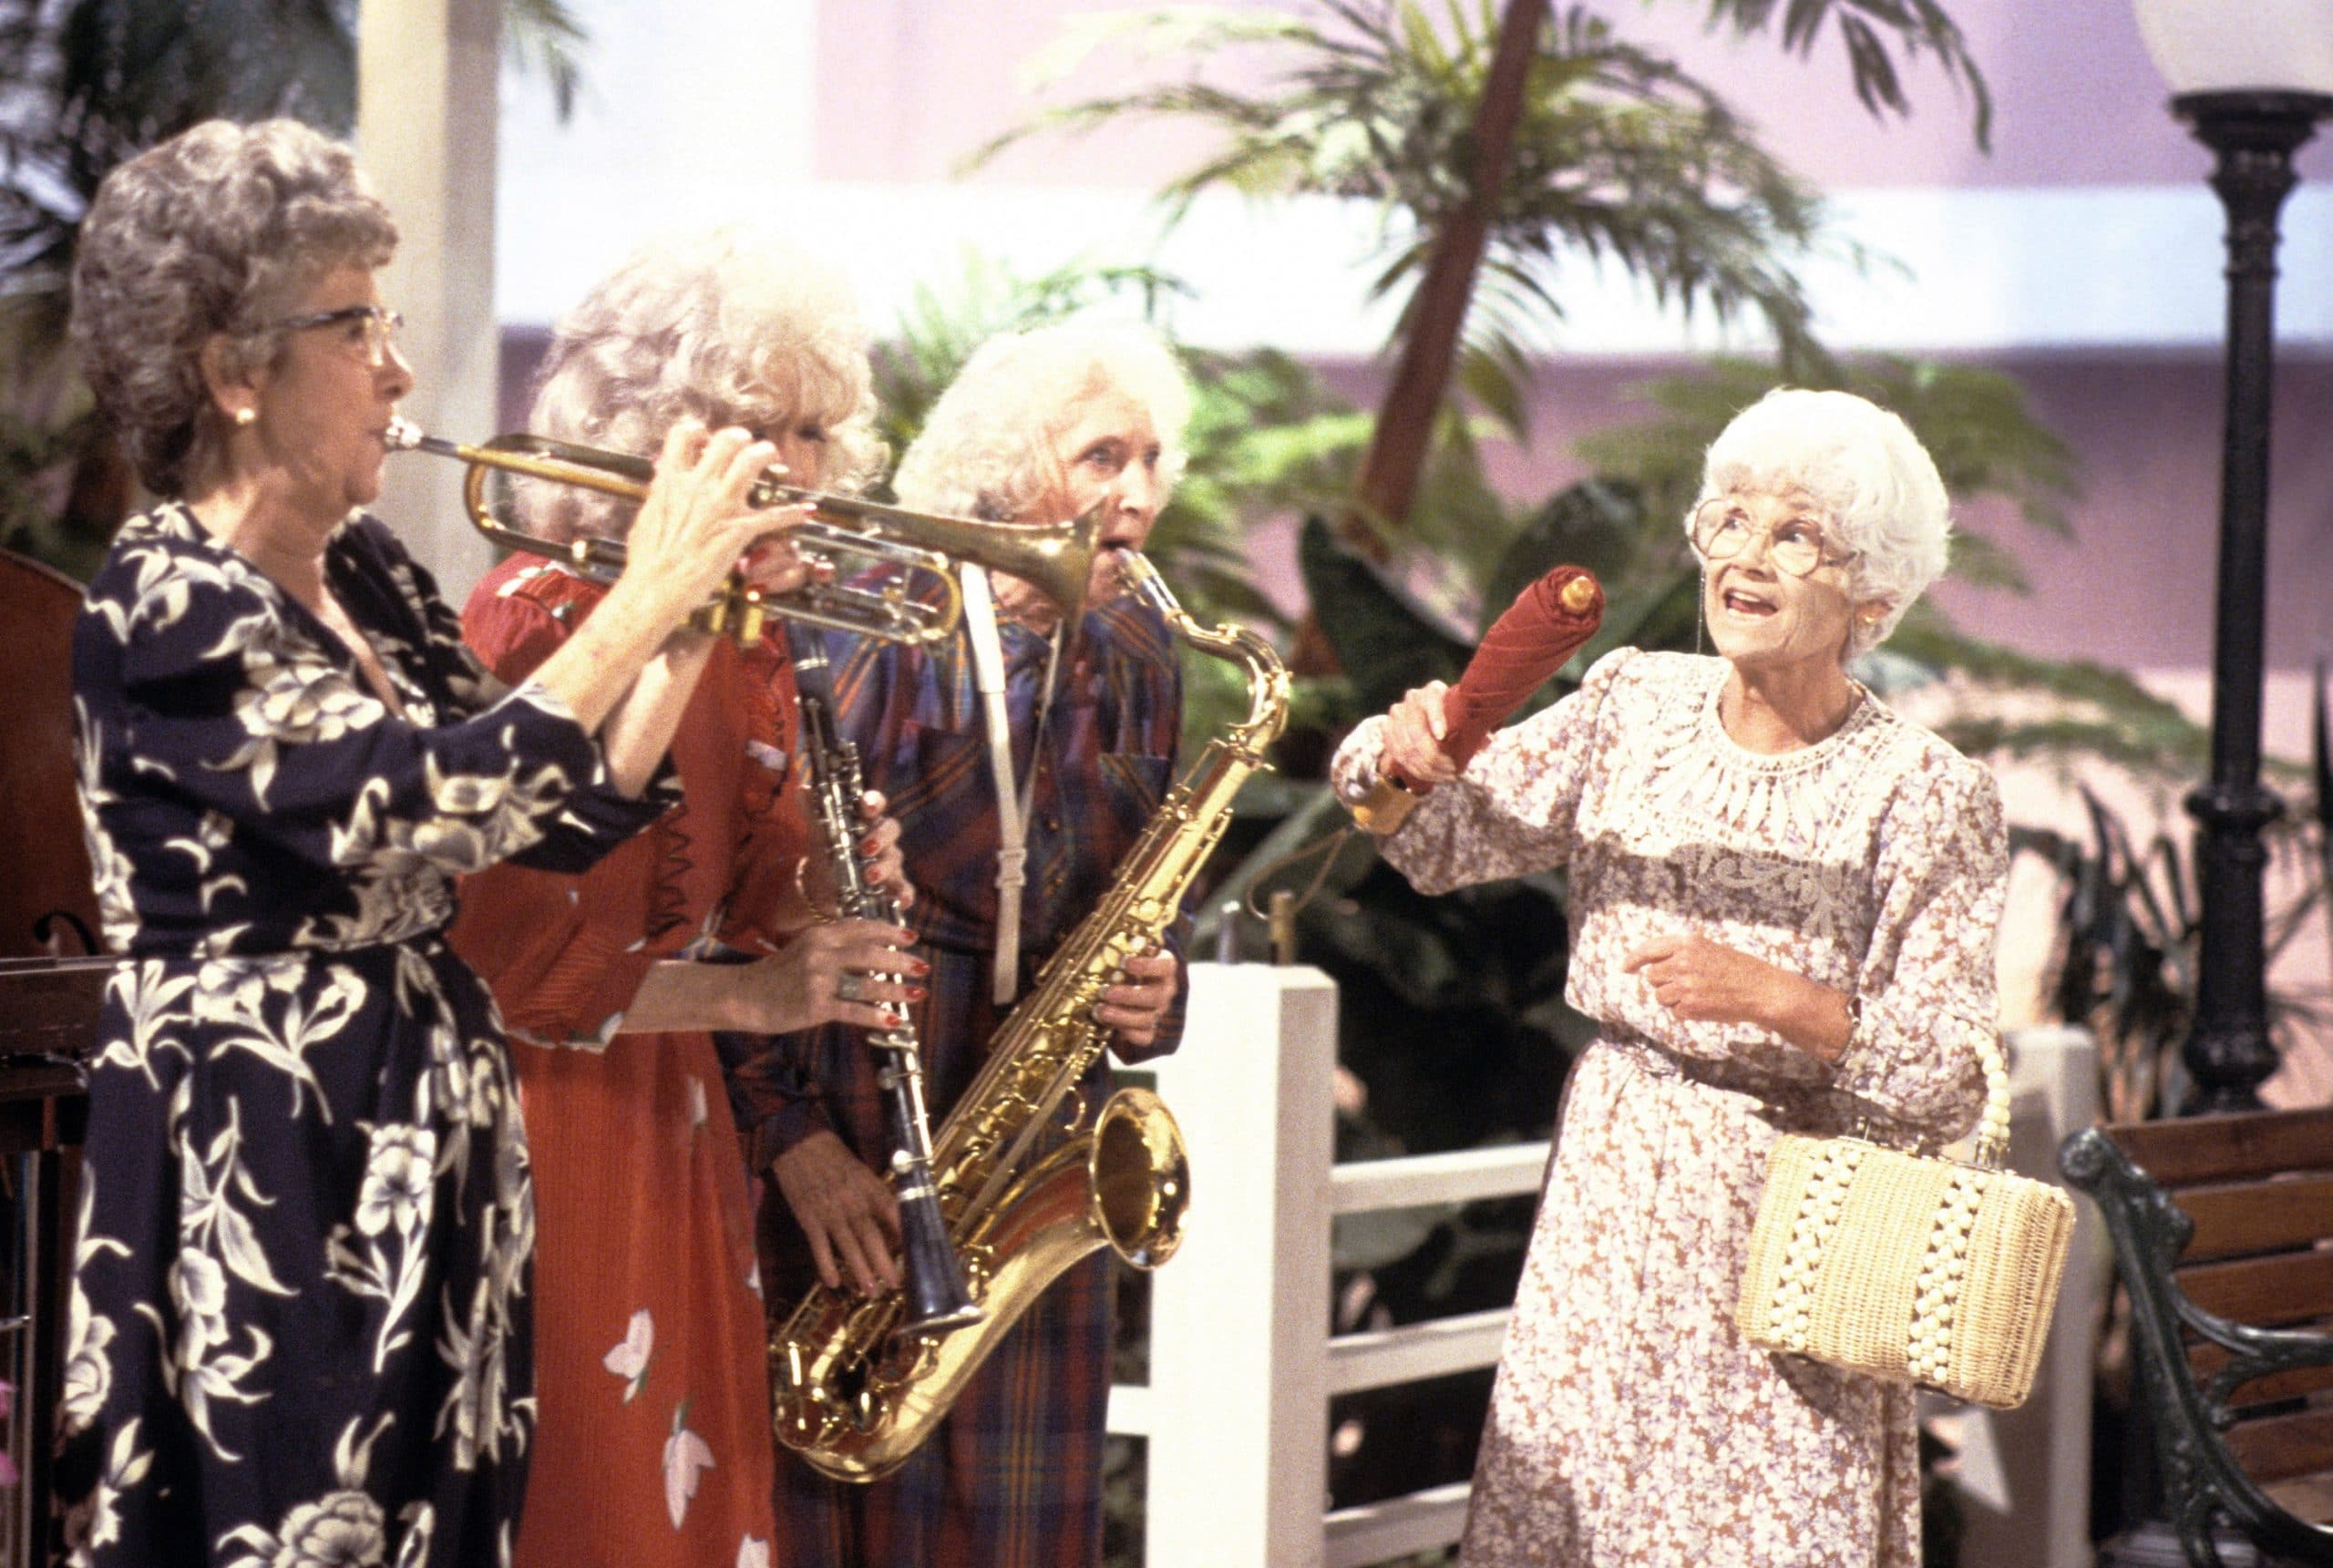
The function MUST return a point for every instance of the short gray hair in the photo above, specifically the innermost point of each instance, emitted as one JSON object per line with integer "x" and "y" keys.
{"x": 215, "y": 230}
{"x": 719, "y": 327}
{"x": 986, "y": 450}
{"x": 1864, "y": 466}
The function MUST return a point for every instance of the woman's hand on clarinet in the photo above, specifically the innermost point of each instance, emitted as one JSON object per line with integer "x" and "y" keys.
{"x": 851, "y": 972}
{"x": 1144, "y": 990}
{"x": 695, "y": 525}
{"x": 883, "y": 863}
{"x": 847, "y": 1212}
{"x": 1414, "y": 729}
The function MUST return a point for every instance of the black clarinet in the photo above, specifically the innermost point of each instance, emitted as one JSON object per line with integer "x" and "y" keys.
{"x": 937, "y": 1298}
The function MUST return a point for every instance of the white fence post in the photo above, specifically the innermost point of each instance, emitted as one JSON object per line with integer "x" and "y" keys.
{"x": 1237, "y": 1411}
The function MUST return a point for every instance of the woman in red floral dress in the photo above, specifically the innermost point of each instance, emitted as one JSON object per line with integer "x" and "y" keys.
{"x": 653, "y": 1437}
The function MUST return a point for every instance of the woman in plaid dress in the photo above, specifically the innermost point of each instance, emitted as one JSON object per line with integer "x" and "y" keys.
{"x": 1039, "y": 427}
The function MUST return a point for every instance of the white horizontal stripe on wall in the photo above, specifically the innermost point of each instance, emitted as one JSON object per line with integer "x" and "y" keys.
{"x": 1971, "y": 270}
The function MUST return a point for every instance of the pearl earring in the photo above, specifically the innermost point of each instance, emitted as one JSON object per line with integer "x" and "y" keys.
{"x": 246, "y": 415}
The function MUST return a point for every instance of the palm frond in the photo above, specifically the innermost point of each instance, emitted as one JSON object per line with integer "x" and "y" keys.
{"x": 1618, "y": 155}
{"x": 1919, "y": 28}
{"x": 544, "y": 35}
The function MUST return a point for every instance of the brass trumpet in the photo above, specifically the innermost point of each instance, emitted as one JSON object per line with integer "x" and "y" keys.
{"x": 1056, "y": 558}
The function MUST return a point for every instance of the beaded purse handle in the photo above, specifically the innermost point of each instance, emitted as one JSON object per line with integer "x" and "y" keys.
{"x": 1992, "y": 1133}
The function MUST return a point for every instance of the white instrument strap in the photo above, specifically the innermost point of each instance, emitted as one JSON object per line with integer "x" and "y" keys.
{"x": 1013, "y": 805}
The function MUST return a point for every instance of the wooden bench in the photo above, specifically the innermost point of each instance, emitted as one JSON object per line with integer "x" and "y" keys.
{"x": 2223, "y": 1234}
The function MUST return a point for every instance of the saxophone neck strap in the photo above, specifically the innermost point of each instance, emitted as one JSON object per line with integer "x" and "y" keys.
{"x": 1013, "y": 804}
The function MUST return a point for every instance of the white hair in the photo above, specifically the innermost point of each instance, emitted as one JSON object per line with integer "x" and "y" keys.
{"x": 723, "y": 326}
{"x": 987, "y": 449}
{"x": 1864, "y": 465}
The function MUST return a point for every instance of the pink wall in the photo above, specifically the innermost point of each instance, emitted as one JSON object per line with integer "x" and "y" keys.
{"x": 2076, "y": 100}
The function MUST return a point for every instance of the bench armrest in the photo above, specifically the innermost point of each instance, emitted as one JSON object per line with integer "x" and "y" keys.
{"x": 2202, "y": 1480}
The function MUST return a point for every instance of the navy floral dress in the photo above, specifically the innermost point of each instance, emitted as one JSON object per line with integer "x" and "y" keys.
{"x": 298, "y": 1332}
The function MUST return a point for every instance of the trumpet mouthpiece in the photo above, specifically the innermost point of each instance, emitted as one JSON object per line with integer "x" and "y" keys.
{"x": 404, "y": 436}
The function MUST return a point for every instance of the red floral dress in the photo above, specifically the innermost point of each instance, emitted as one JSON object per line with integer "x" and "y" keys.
{"x": 653, "y": 1442}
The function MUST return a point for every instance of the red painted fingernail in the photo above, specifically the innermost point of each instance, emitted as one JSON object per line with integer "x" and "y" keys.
{"x": 869, "y": 846}
{"x": 915, "y": 993}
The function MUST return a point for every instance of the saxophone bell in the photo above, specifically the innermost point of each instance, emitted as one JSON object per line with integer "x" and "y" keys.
{"x": 1022, "y": 1203}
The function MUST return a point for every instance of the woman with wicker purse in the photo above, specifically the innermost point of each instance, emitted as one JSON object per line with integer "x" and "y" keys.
{"x": 1784, "y": 901}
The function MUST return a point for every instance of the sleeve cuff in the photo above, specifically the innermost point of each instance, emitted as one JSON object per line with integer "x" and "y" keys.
{"x": 782, "y": 1129}
{"x": 1353, "y": 770}
{"x": 1895, "y": 1070}
{"x": 571, "y": 992}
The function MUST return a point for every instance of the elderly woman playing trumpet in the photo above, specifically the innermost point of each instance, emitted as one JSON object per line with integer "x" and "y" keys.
{"x": 1784, "y": 898}
{"x": 655, "y": 1409}
{"x": 299, "y": 1322}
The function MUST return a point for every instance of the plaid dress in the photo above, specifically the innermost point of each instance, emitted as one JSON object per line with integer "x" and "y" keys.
{"x": 1013, "y": 1476}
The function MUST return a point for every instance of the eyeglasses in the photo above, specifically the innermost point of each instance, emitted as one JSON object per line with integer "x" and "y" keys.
{"x": 1722, "y": 529}
{"x": 380, "y": 327}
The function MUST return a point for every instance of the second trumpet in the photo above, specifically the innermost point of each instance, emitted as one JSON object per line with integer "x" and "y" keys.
{"x": 848, "y": 536}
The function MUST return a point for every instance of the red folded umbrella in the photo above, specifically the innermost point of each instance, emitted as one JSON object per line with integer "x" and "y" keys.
{"x": 1526, "y": 645}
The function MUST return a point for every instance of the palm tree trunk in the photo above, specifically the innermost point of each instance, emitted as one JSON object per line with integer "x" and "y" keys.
{"x": 1389, "y": 473}
{"x": 1438, "y": 311}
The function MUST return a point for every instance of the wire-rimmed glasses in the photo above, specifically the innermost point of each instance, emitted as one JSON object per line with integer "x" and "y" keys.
{"x": 1723, "y": 527}
{"x": 381, "y": 325}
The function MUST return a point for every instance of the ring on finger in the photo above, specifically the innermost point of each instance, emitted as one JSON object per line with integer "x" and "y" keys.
{"x": 851, "y": 987}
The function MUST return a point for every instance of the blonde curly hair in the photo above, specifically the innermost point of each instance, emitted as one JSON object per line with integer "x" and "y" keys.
{"x": 720, "y": 326}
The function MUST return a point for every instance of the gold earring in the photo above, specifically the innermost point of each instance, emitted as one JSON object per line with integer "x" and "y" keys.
{"x": 246, "y": 415}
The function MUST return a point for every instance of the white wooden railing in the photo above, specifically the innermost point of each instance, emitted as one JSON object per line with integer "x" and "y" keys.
{"x": 1242, "y": 1365}
{"x": 1242, "y": 1368}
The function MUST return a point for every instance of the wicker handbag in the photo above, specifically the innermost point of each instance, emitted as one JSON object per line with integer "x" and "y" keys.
{"x": 1909, "y": 1268}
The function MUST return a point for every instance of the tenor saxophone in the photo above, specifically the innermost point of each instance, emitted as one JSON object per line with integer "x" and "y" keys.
{"x": 852, "y": 1393}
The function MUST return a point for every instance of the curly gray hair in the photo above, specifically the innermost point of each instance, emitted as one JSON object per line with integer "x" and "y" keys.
{"x": 987, "y": 449}
{"x": 1864, "y": 466}
{"x": 214, "y": 231}
{"x": 719, "y": 327}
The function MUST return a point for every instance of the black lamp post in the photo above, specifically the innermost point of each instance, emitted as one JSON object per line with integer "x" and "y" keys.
{"x": 2253, "y": 100}
{"x": 2252, "y": 135}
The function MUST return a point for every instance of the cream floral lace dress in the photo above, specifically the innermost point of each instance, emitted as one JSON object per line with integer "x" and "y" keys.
{"x": 1630, "y": 1424}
